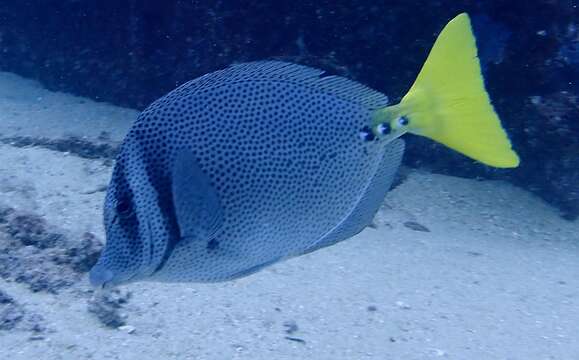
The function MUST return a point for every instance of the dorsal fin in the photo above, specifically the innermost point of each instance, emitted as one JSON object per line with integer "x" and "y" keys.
{"x": 279, "y": 71}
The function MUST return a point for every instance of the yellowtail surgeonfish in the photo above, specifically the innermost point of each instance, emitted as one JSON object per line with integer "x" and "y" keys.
{"x": 264, "y": 161}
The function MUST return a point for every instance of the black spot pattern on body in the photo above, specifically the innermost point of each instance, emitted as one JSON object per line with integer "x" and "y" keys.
{"x": 282, "y": 149}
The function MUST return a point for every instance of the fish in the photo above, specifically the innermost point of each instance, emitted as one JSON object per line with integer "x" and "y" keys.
{"x": 265, "y": 161}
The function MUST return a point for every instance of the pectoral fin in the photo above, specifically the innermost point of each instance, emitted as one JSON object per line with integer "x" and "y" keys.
{"x": 197, "y": 206}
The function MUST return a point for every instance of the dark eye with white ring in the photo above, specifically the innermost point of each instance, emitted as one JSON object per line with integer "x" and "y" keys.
{"x": 403, "y": 121}
{"x": 123, "y": 208}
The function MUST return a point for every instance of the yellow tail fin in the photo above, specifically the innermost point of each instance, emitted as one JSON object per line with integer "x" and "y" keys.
{"x": 449, "y": 104}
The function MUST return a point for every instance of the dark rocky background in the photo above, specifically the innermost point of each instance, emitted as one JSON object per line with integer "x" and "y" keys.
{"x": 131, "y": 52}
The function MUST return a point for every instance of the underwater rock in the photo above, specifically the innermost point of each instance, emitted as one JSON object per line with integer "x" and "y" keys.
{"x": 290, "y": 327}
{"x": 10, "y": 316}
{"x": 5, "y": 298}
{"x": 82, "y": 257}
{"x": 74, "y": 145}
{"x": 33, "y": 253}
{"x": 107, "y": 307}
{"x": 14, "y": 316}
{"x": 42, "y": 280}
{"x": 35, "y": 323}
{"x": 30, "y": 230}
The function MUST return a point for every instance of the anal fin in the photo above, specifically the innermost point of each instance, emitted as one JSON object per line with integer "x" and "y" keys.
{"x": 370, "y": 203}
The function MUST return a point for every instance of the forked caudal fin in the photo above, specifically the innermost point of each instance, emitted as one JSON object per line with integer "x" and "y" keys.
{"x": 448, "y": 102}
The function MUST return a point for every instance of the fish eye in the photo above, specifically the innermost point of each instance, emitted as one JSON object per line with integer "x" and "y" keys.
{"x": 123, "y": 208}
{"x": 403, "y": 121}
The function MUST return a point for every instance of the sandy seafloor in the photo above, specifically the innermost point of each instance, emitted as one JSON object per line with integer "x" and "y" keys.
{"x": 497, "y": 276}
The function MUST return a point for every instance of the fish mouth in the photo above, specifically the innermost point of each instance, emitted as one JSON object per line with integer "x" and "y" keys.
{"x": 100, "y": 277}
{"x": 103, "y": 278}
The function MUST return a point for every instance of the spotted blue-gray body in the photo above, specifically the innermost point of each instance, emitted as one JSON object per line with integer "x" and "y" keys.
{"x": 241, "y": 168}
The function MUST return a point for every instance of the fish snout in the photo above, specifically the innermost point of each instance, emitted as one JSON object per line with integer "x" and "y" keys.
{"x": 100, "y": 276}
